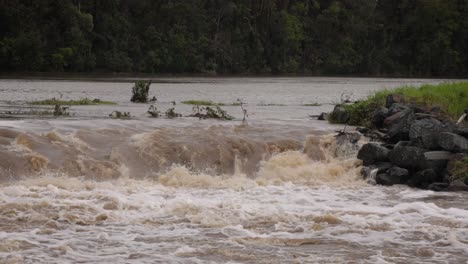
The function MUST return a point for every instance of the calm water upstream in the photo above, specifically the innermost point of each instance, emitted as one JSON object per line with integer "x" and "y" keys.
{"x": 92, "y": 189}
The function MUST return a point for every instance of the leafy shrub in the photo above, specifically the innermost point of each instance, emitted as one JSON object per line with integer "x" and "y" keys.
{"x": 140, "y": 92}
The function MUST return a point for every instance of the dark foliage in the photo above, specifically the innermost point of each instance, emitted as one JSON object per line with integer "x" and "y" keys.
{"x": 398, "y": 37}
{"x": 140, "y": 92}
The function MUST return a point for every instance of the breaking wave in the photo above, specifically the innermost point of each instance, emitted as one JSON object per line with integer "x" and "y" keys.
{"x": 217, "y": 156}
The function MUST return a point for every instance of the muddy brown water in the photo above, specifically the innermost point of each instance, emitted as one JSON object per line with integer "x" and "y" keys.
{"x": 91, "y": 189}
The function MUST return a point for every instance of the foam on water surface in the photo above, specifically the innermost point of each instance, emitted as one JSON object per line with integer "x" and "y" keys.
{"x": 278, "y": 190}
{"x": 55, "y": 219}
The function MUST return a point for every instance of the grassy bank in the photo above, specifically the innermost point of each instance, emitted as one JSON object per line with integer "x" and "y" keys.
{"x": 452, "y": 98}
{"x": 84, "y": 101}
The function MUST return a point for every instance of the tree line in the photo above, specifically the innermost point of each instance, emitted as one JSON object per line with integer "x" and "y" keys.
{"x": 324, "y": 37}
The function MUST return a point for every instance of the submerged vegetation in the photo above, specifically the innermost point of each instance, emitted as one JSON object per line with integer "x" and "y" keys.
{"x": 120, "y": 115}
{"x": 171, "y": 113}
{"x": 84, "y": 101}
{"x": 450, "y": 98}
{"x": 312, "y": 104}
{"x": 153, "y": 111}
{"x": 460, "y": 169}
{"x": 61, "y": 110}
{"x": 208, "y": 112}
{"x": 201, "y": 102}
{"x": 140, "y": 92}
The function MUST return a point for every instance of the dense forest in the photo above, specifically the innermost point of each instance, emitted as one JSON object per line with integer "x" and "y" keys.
{"x": 322, "y": 37}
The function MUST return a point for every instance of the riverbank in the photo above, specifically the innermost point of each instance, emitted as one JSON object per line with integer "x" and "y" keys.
{"x": 184, "y": 77}
{"x": 418, "y": 140}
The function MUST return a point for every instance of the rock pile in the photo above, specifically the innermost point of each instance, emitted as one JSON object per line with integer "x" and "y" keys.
{"x": 416, "y": 147}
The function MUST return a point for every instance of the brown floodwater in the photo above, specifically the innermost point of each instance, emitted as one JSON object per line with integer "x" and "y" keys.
{"x": 88, "y": 188}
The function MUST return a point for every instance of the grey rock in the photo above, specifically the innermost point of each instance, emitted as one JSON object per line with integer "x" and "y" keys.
{"x": 382, "y": 166}
{"x": 323, "y": 116}
{"x": 397, "y": 107}
{"x": 458, "y": 186}
{"x": 438, "y": 186}
{"x": 399, "y": 125}
{"x": 398, "y": 172}
{"x": 408, "y": 157}
{"x": 462, "y": 130}
{"x": 453, "y": 142}
{"x": 394, "y": 175}
{"x": 379, "y": 116}
{"x": 385, "y": 179}
{"x": 403, "y": 144}
{"x": 340, "y": 115}
{"x": 426, "y": 131}
{"x": 422, "y": 179}
{"x": 372, "y": 152}
{"x": 438, "y": 155}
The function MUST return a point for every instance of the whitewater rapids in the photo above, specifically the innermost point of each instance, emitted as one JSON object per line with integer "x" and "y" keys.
{"x": 91, "y": 189}
{"x": 221, "y": 194}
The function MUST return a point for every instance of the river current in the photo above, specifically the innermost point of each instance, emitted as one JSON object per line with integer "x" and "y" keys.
{"x": 279, "y": 188}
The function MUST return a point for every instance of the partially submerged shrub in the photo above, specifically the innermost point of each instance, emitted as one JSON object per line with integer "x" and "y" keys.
{"x": 121, "y": 115}
{"x": 153, "y": 111}
{"x": 244, "y": 111}
{"x": 61, "y": 110}
{"x": 171, "y": 113}
{"x": 140, "y": 92}
{"x": 215, "y": 112}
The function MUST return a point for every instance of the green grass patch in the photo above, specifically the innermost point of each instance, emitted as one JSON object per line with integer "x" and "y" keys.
{"x": 460, "y": 169}
{"x": 452, "y": 98}
{"x": 202, "y": 102}
{"x": 84, "y": 101}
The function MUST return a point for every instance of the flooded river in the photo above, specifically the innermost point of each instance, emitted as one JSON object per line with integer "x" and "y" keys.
{"x": 88, "y": 188}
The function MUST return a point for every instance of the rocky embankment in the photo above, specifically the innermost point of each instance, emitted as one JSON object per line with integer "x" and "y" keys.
{"x": 414, "y": 146}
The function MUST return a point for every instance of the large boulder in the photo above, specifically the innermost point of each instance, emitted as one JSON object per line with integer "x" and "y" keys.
{"x": 378, "y": 117}
{"x": 415, "y": 158}
{"x": 379, "y": 167}
{"x": 373, "y": 152}
{"x": 438, "y": 186}
{"x": 399, "y": 125}
{"x": 323, "y": 116}
{"x": 396, "y": 108}
{"x": 426, "y": 132}
{"x": 340, "y": 115}
{"x": 423, "y": 178}
{"x": 438, "y": 155}
{"x": 394, "y": 175}
{"x": 408, "y": 157}
{"x": 462, "y": 130}
{"x": 453, "y": 142}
